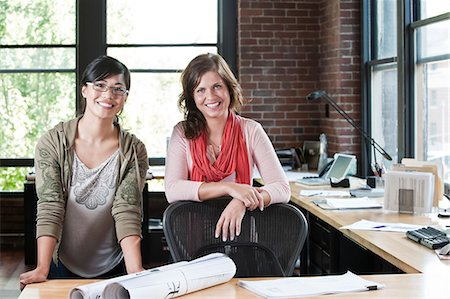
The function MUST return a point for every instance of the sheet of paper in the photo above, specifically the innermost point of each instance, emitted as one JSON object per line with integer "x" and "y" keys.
{"x": 293, "y": 287}
{"x": 336, "y": 193}
{"x": 352, "y": 203}
{"x": 382, "y": 226}
{"x": 408, "y": 192}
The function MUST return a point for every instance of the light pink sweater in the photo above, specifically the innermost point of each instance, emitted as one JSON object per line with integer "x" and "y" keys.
{"x": 260, "y": 154}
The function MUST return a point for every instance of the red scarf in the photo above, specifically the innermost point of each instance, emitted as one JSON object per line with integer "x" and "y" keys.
{"x": 233, "y": 156}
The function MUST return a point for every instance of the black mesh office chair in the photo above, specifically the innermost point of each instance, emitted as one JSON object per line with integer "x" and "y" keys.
{"x": 269, "y": 244}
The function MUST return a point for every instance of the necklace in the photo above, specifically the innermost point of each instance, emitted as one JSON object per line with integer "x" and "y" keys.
{"x": 216, "y": 148}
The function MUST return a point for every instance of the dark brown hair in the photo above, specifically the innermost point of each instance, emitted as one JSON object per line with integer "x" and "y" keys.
{"x": 103, "y": 67}
{"x": 194, "y": 121}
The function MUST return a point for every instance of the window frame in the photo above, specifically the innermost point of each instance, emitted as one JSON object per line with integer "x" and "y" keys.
{"x": 408, "y": 21}
{"x": 91, "y": 43}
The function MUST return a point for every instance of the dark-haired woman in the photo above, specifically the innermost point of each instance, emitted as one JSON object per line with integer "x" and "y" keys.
{"x": 213, "y": 152}
{"x": 89, "y": 180}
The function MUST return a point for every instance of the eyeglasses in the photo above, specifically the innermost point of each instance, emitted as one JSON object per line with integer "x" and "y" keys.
{"x": 99, "y": 86}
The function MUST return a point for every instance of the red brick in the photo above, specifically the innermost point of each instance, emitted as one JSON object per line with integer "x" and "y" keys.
{"x": 297, "y": 47}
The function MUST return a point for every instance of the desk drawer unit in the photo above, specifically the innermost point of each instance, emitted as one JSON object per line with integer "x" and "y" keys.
{"x": 323, "y": 247}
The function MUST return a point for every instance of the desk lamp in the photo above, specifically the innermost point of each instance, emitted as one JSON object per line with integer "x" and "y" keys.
{"x": 321, "y": 94}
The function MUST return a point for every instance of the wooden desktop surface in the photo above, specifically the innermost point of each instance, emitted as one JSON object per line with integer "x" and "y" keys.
{"x": 396, "y": 286}
{"x": 393, "y": 247}
{"x": 429, "y": 276}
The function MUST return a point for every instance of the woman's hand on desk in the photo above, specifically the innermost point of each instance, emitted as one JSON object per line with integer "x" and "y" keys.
{"x": 39, "y": 274}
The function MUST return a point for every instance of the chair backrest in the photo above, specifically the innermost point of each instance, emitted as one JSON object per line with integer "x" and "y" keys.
{"x": 269, "y": 244}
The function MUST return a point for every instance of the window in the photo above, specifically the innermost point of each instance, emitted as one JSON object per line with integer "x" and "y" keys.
{"x": 432, "y": 90}
{"x": 409, "y": 84}
{"x": 44, "y": 47}
{"x": 37, "y": 76}
{"x": 382, "y": 73}
{"x": 155, "y": 58}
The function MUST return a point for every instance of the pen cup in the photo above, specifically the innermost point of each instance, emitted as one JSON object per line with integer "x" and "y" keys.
{"x": 375, "y": 182}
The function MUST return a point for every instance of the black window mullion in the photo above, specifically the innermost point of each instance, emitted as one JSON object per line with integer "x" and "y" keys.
{"x": 91, "y": 36}
{"x": 226, "y": 39}
{"x": 409, "y": 61}
{"x": 366, "y": 34}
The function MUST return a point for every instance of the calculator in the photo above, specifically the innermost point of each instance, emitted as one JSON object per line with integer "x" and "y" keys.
{"x": 429, "y": 237}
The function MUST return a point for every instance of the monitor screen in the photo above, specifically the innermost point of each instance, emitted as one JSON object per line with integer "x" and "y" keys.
{"x": 341, "y": 166}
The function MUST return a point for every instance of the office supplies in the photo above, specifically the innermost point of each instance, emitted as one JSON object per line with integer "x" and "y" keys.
{"x": 444, "y": 207}
{"x": 367, "y": 192}
{"x": 445, "y": 250}
{"x": 338, "y": 170}
{"x": 299, "y": 161}
{"x": 344, "y": 183}
{"x": 334, "y": 193}
{"x": 424, "y": 166}
{"x": 321, "y": 94}
{"x": 347, "y": 203}
{"x": 381, "y": 226}
{"x": 408, "y": 192}
{"x": 323, "y": 156}
{"x": 293, "y": 287}
{"x": 429, "y": 237}
{"x": 311, "y": 152}
{"x": 375, "y": 182}
{"x": 285, "y": 155}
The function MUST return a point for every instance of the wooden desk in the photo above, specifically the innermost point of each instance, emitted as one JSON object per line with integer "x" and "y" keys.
{"x": 393, "y": 247}
{"x": 396, "y": 286}
{"x": 157, "y": 171}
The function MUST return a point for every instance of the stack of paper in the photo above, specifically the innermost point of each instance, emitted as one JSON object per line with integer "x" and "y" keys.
{"x": 409, "y": 192}
{"x": 347, "y": 203}
{"x": 292, "y": 287}
{"x": 382, "y": 226}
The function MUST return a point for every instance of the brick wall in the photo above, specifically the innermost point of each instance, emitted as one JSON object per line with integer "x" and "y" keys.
{"x": 287, "y": 49}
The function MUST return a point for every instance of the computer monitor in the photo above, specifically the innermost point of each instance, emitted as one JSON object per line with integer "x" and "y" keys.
{"x": 340, "y": 167}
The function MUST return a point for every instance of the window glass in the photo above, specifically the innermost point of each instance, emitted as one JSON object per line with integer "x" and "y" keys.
{"x": 384, "y": 110}
{"x": 38, "y": 66}
{"x": 37, "y": 76}
{"x": 151, "y": 110}
{"x": 31, "y": 103}
{"x": 156, "y": 42}
{"x": 386, "y": 33}
{"x": 37, "y": 22}
{"x": 37, "y": 58}
{"x": 433, "y": 39}
{"x": 161, "y": 22}
{"x": 432, "y": 114}
{"x": 432, "y": 8}
{"x": 161, "y": 58}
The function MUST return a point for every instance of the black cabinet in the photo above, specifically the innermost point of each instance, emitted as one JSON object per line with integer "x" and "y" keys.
{"x": 154, "y": 246}
{"x": 30, "y": 206}
{"x": 324, "y": 245}
{"x": 328, "y": 251}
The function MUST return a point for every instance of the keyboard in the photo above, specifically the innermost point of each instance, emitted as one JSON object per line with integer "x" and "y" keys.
{"x": 429, "y": 237}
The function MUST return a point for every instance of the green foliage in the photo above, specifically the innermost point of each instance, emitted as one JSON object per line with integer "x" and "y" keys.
{"x": 12, "y": 178}
{"x": 31, "y": 103}
{"x": 3, "y": 11}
